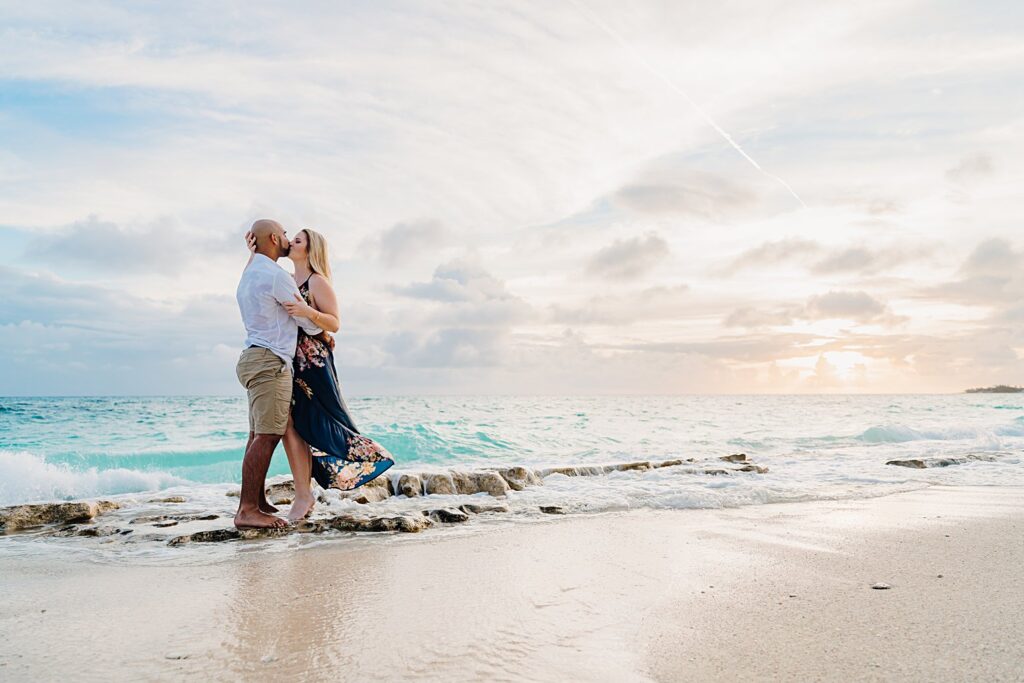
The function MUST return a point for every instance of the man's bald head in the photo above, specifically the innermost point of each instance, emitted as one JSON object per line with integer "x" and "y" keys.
{"x": 271, "y": 240}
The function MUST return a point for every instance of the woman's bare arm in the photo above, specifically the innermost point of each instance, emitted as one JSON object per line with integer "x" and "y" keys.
{"x": 325, "y": 302}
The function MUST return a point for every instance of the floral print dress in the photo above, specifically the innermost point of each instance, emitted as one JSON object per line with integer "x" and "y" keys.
{"x": 342, "y": 457}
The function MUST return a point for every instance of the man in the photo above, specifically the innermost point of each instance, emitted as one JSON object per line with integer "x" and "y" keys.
{"x": 265, "y": 366}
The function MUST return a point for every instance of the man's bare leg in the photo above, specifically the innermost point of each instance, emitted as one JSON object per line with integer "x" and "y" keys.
{"x": 265, "y": 505}
{"x": 254, "y": 477}
{"x": 300, "y": 459}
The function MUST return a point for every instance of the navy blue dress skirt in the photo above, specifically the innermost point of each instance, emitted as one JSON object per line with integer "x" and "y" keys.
{"x": 342, "y": 457}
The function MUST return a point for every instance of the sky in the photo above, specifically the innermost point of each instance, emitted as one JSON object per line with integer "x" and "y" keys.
{"x": 570, "y": 197}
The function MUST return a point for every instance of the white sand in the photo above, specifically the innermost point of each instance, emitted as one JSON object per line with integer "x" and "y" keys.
{"x": 680, "y": 595}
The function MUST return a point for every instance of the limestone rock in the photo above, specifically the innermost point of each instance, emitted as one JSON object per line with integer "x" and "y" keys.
{"x": 93, "y": 531}
{"x": 476, "y": 509}
{"x": 552, "y": 509}
{"x": 881, "y": 586}
{"x": 212, "y": 536}
{"x": 668, "y": 463}
{"x": 24, "y": 516}
{"x": 447, "y": 515}
{"x": 919, "y": 463}
{"x": 281, "y": 493}
{"x": 403, "y": 523}
{"x": 371, "y": 494}
{"x": 915, "y": 463}
{"x": 480, "y": 482}
{"x": 440, "y": 484}
{"x": 630, "y": 466}
{"x": 98, "y": 531}
{"x": 410, "y": 485}
{"x": 518, "y": 478}
{"x": 169, "y": 499}
{"x": 752, "y": 468}
{"x": 158, "y": 519}
{"x": 735, "y": 457}
{"x": 255, "y": 534}
{"x": 577, "y": 471}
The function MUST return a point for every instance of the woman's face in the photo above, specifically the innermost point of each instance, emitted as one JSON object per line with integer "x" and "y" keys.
{"x": 299, "y": 247}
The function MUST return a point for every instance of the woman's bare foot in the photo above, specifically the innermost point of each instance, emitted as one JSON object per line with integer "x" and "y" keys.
{"x": 258, "y": 520}
{"x": 301, "y": 508}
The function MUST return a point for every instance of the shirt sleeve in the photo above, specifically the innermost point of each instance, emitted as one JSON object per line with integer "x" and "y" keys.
{"x": 285, "y": 290}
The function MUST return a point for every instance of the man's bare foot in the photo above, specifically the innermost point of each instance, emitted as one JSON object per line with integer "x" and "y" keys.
{"x": 265, "y": 506}
{"x": 301, "y": 508}
{"x": 258, "y": 520}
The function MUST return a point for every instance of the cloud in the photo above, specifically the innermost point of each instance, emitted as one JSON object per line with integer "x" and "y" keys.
{"x": 970, "y": 168}
{"x": 628, "y": 259}
{"x": 994, "y": 256}
{"x": 993, "y": 275}
{"x": 164, "y": 246}
{"x": 402, "y": 242}
{"x": 855, "y": 306}
{"x": 71, "y": 337}
{"x": 821, "y": 260}
{"x": 650, "y": 304}
{"x": 842, "y": 305}
{"x": 775, "y": 253}
{"x": 459, "y": 280}
{"x": 695, "y": 194}
{"x": 749, "y": 316}
{"x": 451, "y": 347}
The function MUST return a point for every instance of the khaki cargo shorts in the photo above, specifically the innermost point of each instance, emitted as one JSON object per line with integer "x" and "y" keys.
{"x": 268, "y": 379}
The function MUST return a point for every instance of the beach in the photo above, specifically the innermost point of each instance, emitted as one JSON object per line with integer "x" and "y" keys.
{"x": 781, "y": 591}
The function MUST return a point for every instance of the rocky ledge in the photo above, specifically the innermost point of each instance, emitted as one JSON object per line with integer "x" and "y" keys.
{"x": 922, "y": 463}
{"x": 76, "y": 518}
{"x": 27, "y": 516}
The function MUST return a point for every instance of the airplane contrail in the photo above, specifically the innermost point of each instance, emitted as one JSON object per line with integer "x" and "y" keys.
{"x": 594, "y": 19}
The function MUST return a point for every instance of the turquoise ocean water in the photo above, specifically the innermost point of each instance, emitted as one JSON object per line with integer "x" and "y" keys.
{"x": 815, "y": 446}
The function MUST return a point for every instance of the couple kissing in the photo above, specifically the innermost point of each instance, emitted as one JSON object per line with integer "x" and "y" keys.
{"x": 287, "y": 369}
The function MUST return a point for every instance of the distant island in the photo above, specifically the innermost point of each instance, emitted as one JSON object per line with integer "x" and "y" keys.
{"x": 1001, "y": 389}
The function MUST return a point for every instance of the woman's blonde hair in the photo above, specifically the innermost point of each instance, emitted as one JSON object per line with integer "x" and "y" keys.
{"x": 316, "y": 251}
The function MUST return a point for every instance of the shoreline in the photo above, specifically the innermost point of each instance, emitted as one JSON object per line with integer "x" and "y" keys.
{"x": 639, "y": 595}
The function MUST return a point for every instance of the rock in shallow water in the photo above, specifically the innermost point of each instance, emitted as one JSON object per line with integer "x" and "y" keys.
{"x": 518, "y": 478}
{"x": 25, "y": 516}
{"x": 93, "y": 531}
{"x": 281, "y": 493}
{"x": 440, "y": 484}
{"x": 476, "y": 509}
{"x": 373, "y": 492}
{"x": 403, "y": 523}
{"x": 735, "y": 457}
{"x": 212, "y": 536}
{"x": 633, "y": 466}
{"x": 447, "y": 515}
{"x": 921, "y": 463}
{"x": 552, "y": 509}
{"x": 410, "y": 485}
{"x": 169, "y": 499}
{"x": 480, "y": 482}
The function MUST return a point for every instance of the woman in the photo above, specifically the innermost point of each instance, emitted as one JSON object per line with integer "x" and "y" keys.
{"x": 321, "y": 439}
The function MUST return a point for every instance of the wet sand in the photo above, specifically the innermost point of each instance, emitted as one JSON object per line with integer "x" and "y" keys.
{"x": 773, "y": 591}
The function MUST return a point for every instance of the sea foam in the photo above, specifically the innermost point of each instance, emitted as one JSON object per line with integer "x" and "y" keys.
{"x": 25, "y": 477}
